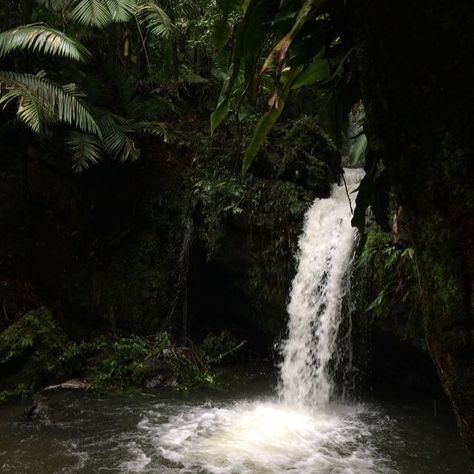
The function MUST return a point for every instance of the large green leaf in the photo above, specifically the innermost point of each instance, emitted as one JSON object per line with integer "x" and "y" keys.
{"x": 318, "y": 70}
{"x": 277, "y": 57}
{"x": 249, "y": 38}
{"x": 224, "y": 99}
{"x": 268, "y": 120}
{"x": 41, "y": 39}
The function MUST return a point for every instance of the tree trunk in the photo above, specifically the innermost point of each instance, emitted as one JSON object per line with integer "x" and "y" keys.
{"x": 416, "y": 73}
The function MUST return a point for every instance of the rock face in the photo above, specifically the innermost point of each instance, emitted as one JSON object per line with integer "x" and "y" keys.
{"x": 422, "y": 129}
{"x": 244, "y": 252}
{"x": 32, "y": 353}
{"x": 103, "y": 248}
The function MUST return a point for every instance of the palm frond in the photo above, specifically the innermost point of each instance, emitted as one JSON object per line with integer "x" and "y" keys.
{"x": 29, "y": 111}
{"x": 155, "y": 19}
{"x": 43, "y": 101}
{"x": 158, "y": 129}
{"x": 120, "y": 146}
{"x": 121, "y": 10}
{"x": 91, "y": 13}
{"x": 41, "y": 39}
{"x": 85, "y": 149}
{"x": 115, "y": 141}
{"x": 100, "y": 13}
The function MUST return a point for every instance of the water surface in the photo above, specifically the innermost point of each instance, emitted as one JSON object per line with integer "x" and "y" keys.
{"x": 246, "y": 431}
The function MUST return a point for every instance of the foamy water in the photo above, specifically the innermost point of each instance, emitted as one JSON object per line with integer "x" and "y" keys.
{"x": 300, "y": 432}
{"x": 264, "y": 437}
{"x": 326, "y": 250}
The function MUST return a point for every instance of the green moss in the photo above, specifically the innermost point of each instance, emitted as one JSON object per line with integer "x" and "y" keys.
{"x": 442, "y": 269}
{"x": 34, "y": 351}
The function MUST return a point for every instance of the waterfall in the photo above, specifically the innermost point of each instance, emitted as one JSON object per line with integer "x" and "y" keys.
{"x": 311, "y": 355}
{"x": 300, "y": 433}
{"x": 179, "y": 309}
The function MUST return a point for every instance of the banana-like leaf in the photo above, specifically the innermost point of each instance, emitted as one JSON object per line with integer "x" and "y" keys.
{"x": 42, "y": 101}
{"x": 222, "y": 108}
{"x": 277, "y": 56}
{"x": 318, "y": 70}
{"x": 249, "y": 38}
{"x": 43, "y": 40}
{"x": 268, "y": 120}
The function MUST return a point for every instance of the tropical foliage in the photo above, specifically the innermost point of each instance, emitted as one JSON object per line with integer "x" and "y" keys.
{"x": 281, "y": 48}
{"x": 55, "y": 87}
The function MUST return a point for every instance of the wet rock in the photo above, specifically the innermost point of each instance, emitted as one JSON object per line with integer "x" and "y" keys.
{"x": 57, "y": 406}
{"x": 155, "y": 372}
{"x": 40, "y": 408}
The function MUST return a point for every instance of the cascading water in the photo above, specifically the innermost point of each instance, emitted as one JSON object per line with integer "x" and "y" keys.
{"x": 179, "y": 310}
{"x": 326, "y": 248}
{"x": 306, "y": 430}
{"x": 300, "y": 432}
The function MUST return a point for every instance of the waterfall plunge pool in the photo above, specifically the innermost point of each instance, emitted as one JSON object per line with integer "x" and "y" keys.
{"x": 299, "y": 432}
{"x": 245, "y": 431}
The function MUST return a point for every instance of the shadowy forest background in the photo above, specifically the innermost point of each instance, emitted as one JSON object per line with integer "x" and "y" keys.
{"x": 157, "y": 158}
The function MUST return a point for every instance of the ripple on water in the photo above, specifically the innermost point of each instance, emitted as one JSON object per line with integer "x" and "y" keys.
{"x": 263, "y": 437}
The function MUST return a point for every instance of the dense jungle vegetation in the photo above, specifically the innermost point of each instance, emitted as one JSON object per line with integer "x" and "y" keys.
{"x": 158, "y": 157}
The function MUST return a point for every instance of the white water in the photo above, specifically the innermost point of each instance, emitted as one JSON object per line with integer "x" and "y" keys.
{"x": 326, "y": 249}
{"x": 263, "y": 437}
{"x": 300, "y": 432}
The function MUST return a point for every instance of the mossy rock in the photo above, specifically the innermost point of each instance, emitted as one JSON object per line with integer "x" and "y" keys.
{"x": 34, "y": 352}
{"x": 304, "y": 154}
